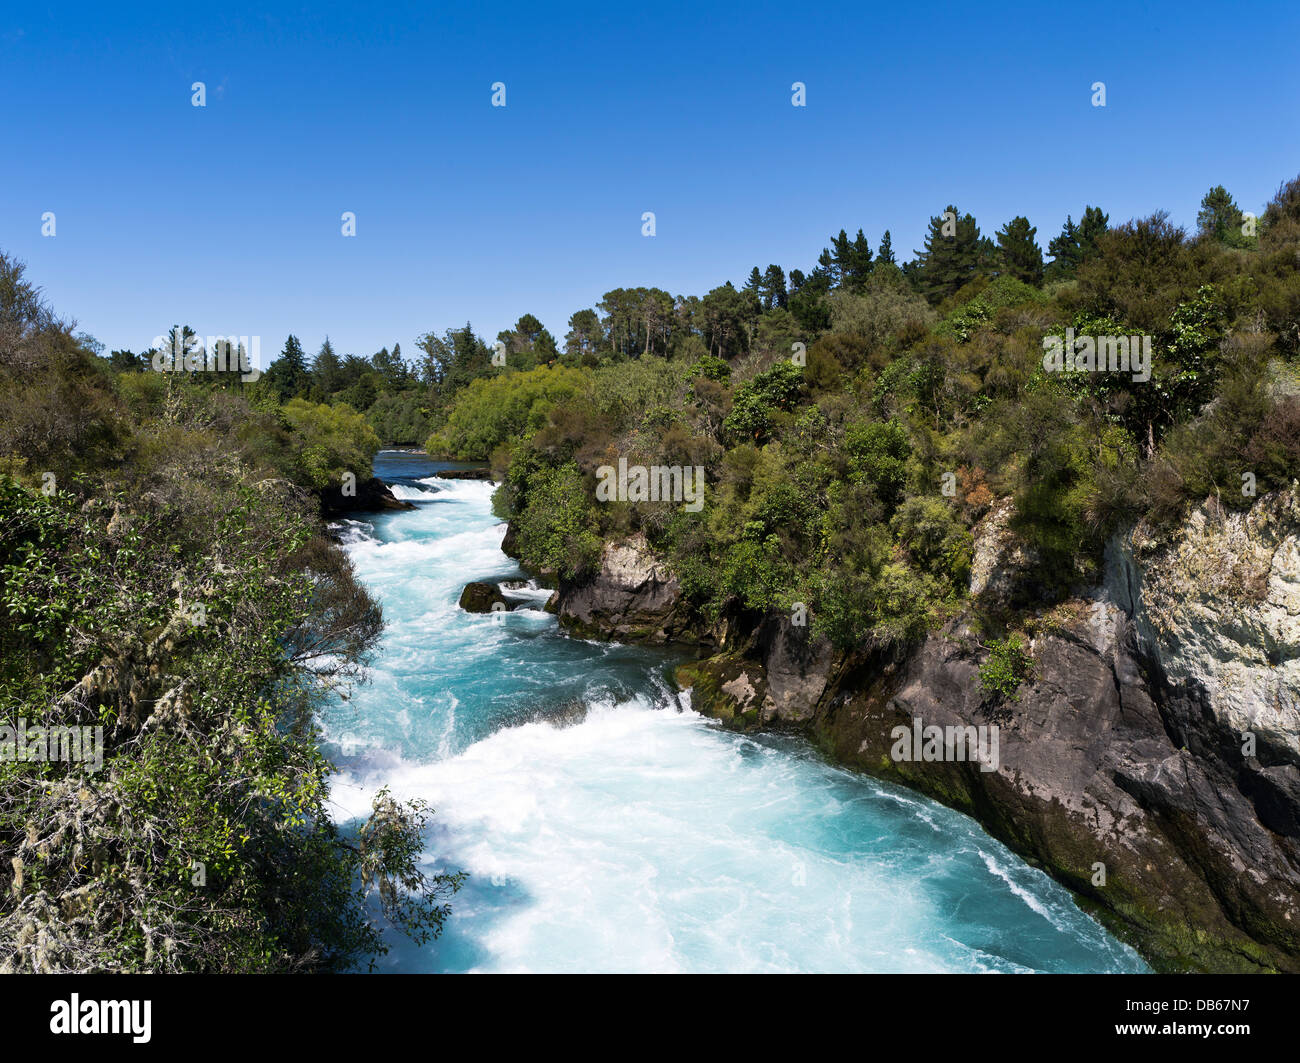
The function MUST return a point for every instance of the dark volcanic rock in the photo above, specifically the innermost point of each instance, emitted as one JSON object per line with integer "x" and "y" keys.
{"x": 478, "y": 597}
{"x": 633, "y": 598}
{"x": 775, "y": 678}
{"x": 372, "y": 496}
{"x": 1089, "y": 778}
{"x": 510, "y": 543}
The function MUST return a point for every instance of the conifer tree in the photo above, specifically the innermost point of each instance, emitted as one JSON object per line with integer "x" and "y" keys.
{"x": 885, "y": 255}
{"x": 951, "y": 256}
{"x": 288, "y": 374}
{"x": 1018, "y": 252}
{"x": 774, "y": 293}
{"x": 1220, "y": 218}
{"x": 326, "y": 372}
{"x": 1075, "y": 243}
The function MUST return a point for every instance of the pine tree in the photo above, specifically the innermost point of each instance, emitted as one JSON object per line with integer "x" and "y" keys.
{"x": 948, "y": 261}
{"x": 774, "y": 293}
{"x": 1091, "y": 226}
{"x": 1075, "y": 244}
{"x": 390, "y": 367}
{"x": 857, "y": 264}
{"x": 842, "y": 254}
{"x": 326, "y": 372}
{"x": 754, "y": 290}
{"x": 585, "y": 335}
{"x": 1018, "y": 252}
{"x": 288, "y": 374}
{"x": 1064, "y": 249}
{"x": 1220, "y": 218}
{"x": 885, "y": 256}
{"x": 827, "y": 271}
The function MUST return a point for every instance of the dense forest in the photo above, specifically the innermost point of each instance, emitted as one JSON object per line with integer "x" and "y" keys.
{"x": 166, "y": 574}
{"x": 854, "y": 422}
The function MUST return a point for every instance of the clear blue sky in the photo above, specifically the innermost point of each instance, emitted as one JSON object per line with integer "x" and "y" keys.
{"x": 228, "y": 217}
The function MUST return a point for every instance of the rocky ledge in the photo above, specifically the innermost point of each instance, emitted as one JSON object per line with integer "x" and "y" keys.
{"x": 632, "y": 598}
{"x": 372, "y": 496}
{"x": 464, "y": 474}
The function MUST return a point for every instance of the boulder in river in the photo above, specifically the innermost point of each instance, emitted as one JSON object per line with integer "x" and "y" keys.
{"x": 480, "y": 597}
{"x": 372, "y": 496}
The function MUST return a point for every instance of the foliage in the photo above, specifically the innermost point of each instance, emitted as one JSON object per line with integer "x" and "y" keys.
{"x": 492, "y": 410}
{"x": 163, "y": 577}
{"x": 1007, "y": 667}
{"x": 329, "y": 441}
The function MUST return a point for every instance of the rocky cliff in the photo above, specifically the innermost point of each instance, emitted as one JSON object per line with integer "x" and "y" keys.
{"x": 1151, "y": 760}
{"x": 633, "y": 598}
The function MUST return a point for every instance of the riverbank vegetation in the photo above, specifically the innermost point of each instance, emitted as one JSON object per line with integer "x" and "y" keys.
{"x": 856, "y": 422}
{"x": 167, "y": 590}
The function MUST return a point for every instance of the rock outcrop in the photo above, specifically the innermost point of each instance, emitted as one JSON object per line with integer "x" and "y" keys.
{"x": 1151, "y": 762}
{"x": 631, "y": 598}
{"x": 479, "y": 597}
{"x": 464, "y": 474}
{"x": 372, "y": 496}
{"x": 774, "y": 679}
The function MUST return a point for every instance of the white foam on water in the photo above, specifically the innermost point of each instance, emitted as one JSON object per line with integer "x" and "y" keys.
{"x": 640, "y": 839}
{"x": 411, "y": 494}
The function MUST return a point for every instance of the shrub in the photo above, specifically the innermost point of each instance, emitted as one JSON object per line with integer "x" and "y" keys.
{"x": 1007, "y": 667}
{"x": 329, "y": 441}
{"x": 493, "y": 410}
{"x": 554, "y": 524}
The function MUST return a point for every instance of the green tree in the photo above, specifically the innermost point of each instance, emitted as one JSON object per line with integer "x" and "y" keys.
{"x": 1076, "y": 244}
{"x": 585, "y": 335}
{"x": 951, "y": 257}
{"x": 1018, "y": 252}
{"x": 775, "y": 296}
{"x": 1220, "y": 218}
{"x": 326, "y": 372}
{"x": 452, "y": 360}
{"x": 329, "y": 441}
{"x": 394, "y": 373}
{"x": 497, "y": 409}
{"x": 288, "y": 374}
{"x": 723, "y": 313}
{"x": 885, "y": 253}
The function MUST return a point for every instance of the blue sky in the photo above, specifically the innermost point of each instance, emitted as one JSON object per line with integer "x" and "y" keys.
{"x": 227, "y": 217}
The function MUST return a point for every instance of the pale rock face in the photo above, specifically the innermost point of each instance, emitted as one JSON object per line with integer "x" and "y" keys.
{"x": 1000, "y": 557}
{"x": 633, "y": 596}
{"x": 1218, "y": 606}
{"x": 990, "y": 547}
{"x": 630, "y": 565}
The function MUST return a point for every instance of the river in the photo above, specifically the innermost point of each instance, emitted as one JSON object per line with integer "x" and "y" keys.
{"x": 607, "y": 827}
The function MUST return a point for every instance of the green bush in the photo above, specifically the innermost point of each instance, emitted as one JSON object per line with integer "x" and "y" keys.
{"x": 494, "y": 410}
{"x": 554, "y": 524}
{"x": 329, "y": 441}
{"x": 1007, "y": 667}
